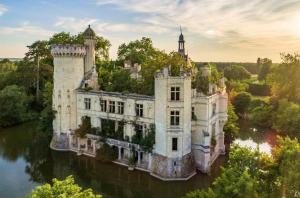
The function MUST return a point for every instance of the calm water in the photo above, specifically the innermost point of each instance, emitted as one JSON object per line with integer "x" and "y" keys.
{"x": 27, "y": 161}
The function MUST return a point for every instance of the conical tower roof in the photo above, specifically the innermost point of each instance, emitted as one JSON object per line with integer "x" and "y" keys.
{"x": 89, "y": 33}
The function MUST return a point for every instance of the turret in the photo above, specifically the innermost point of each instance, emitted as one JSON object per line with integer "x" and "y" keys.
{"x": 90, "y": 43}
{"x": 67, "y": 77}
{"x": 181, "y": 48}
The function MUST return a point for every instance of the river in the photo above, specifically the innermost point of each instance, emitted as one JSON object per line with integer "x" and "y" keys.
{"x": 26, "y": 161}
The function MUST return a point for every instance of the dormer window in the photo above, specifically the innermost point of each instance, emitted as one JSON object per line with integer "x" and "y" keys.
{"x": 175, "y": 93}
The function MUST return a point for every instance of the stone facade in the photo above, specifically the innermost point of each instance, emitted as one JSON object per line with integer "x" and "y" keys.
{"x": 167, "y": 168}
{"x": 188, "y": 124}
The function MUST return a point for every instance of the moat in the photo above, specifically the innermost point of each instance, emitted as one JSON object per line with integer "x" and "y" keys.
{"x": 26, "y": 161}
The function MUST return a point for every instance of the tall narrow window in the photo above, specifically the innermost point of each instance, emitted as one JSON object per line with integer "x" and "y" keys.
{"x": 87, "y": 103}
{"x": 138, "y": 132}
{"x": 174, "y": 144}
{"x": 194, "y": 117}
{"x": 139, "y": 110}
{"x": 139, "y": 128}
{"x": 175, "y": 93}
{"x": 174, "y": 118}
{"x": 213, "y": 129}
{"x": 214, "y": 109}
{"x": 103, "y": 104}
{"x": 120, "y": 107}
{"x": 111, "y": 106}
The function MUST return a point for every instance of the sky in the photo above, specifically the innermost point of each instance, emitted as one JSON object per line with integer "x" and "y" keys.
{"x": 214, "y": 30}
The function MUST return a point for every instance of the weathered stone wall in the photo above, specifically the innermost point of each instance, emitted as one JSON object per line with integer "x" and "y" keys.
{"x": 168, "y": 168}
{"x": 67, "y": 76}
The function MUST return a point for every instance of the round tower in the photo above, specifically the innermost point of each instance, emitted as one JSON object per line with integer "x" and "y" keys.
{"x": 90, "y": 43}
{"x": 68, "y": 75}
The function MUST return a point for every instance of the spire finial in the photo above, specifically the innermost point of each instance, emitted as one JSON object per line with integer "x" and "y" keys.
{"x": 89, "y": 26}
{"x": 180, "y": 29}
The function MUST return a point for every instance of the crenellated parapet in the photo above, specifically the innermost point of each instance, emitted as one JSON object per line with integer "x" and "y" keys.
{"x": 68, "y": 50}
{"x": 166, "y": 73}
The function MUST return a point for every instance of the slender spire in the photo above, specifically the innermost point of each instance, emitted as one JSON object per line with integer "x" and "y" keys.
{"x": 181, "y": 49}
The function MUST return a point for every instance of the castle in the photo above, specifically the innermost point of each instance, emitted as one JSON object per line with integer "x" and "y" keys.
{"x": 188, "y": 124}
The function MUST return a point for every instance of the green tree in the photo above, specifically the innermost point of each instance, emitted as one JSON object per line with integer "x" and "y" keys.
{"x": 13, "y": 105}
{"x": 137, "y": 51}
{"x": 264, "y": 68}
{"x": 64, "y": 188}
{"x": 235, "y": 86}
{"x": 236, "y": 72}
{"x": 231, "y": 128}
{"x": 84, "y": 128}
{"x": 201, "y": 83}
{"x": 287, "y": 167}
{"x": 239, "y": 179}
{"x": 63, "y": 38}
{"x": 284, "y": 79}
{"x": 235, "y": 184}
{"x": 287, "y": 118}
{"x": 261, "y": 114}
{"x": 39, "y": 50}
{"x": 176, "y": 62}
{"x": 121, "y": 81}
{"x": 47, "y": 114}
{"x": 201, "y": 194}
{"x": 241, "y": 102}
{"x": 250, "y": 173}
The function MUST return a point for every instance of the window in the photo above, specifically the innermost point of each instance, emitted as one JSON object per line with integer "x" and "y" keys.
{"x": 214, "y": 108}
{"x": 193, "y": 114}
{"x": 174, "y": 118}
{"x": 87, "y": 103}
{"x": 111, "y": 106}
{"x": 213, "y": 129}
{"x": 139, "y": 128}
{"x": 139, "y": 110}
{"x": 174, "y": 144}
{"x": 120, "y": 107}
{"x": 103, "y": 104}
{"x": 175, "y": 93}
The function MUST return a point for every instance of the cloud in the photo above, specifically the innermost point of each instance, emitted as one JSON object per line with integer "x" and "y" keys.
{"x": 3, "y": 9}
{"x": 76, "y": 25}
{"x": 26, "y": 29}
{"x": 221, "y": 20}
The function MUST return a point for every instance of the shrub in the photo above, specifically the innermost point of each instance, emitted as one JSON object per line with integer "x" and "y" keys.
{"x": 64, "y": 188}
{"x": 241, "y": 102}
{"x": 107, "y": 153}
{"x": 84, "y": 128}
{"x": 259, "y": 89}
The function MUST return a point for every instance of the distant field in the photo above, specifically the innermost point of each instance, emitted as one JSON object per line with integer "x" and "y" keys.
{"x": 12, "y": 59}
{"x": 251, "y": 67}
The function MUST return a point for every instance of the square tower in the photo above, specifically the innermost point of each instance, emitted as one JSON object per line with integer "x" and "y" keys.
{"x": 172, "y": 154}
